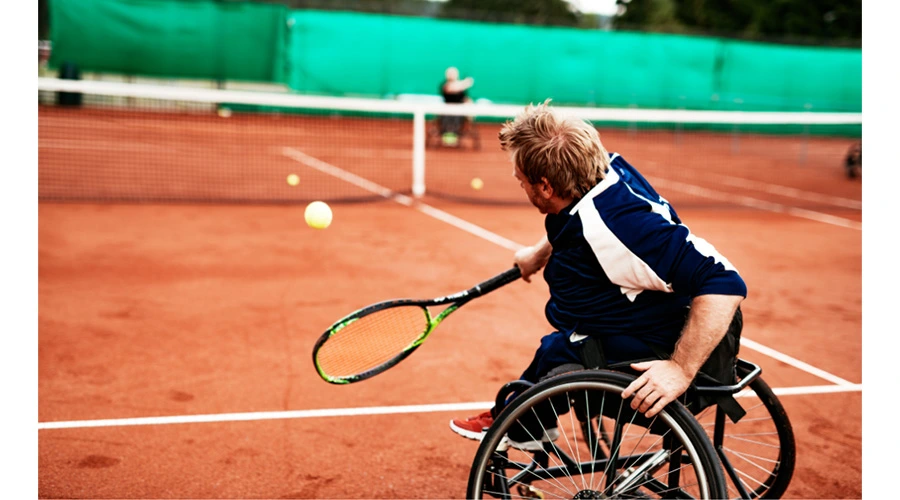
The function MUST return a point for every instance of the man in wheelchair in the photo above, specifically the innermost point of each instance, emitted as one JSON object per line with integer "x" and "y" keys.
{"x": 627, "y": 279}
{"x": 450, "y": 129}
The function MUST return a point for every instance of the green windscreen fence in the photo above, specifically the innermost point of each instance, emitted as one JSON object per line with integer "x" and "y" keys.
{"x": 790, "y": 78}
{"x": 168, "y": 38}
{"x": 371, "y": 55}
{"x": 343, "y": 53}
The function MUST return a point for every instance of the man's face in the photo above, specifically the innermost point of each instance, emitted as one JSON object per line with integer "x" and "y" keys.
{"x": 534, "y": 192}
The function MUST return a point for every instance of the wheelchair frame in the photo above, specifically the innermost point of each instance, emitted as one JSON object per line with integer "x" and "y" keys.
{"x": 853, "y": 161}
{"x": 466, "y": 129}
{"x": 685, "y": 447}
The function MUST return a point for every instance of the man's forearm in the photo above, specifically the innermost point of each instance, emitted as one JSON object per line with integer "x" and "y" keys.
{"x": 459, "y": 85}
{"x": 543, "y": 247}
{"x": 707, "y": 323}
{"x": 531, "y": 259}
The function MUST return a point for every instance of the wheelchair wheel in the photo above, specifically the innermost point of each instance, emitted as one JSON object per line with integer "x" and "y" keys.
{"x": 853, "y": 161}
{"x": 470, "y": 131}
{"x": 476, "y": 138}
{"x": 669, "y": 456}
{"x": 757, "y": 453}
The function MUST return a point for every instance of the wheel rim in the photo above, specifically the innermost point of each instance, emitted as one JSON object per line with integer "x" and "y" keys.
{"x": 755, "y": 446}
{"x": 568, "y": 468}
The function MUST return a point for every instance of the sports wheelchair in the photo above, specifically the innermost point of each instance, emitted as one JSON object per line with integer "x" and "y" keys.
{"x": 604, "y": 449}
{"x": 453, "y": 132}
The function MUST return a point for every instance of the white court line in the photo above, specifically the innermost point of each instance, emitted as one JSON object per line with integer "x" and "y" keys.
{"x": 789, "y": 192}
{"x": 268, "y": 415}
{"x": 748, "y": 201}
{"x": 817, "y": 389}
{"x": 796, "y": 363}
{"x": 783, "y": 191}
{"x": 357, "y": 412}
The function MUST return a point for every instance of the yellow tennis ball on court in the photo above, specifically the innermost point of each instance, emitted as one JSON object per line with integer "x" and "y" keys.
{"x": 318, "y": 215}
{"x": 477, "y": 184}
{"x": 293, "y": 179}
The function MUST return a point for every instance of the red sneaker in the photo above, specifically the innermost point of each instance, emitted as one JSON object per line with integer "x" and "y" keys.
{"x": 473, "y": 427}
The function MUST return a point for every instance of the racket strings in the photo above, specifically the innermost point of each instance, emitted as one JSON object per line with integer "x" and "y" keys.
{"x": 372, "y": 340}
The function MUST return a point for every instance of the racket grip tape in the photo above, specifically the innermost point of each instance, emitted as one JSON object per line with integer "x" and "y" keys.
{"x": 496, "y": 282}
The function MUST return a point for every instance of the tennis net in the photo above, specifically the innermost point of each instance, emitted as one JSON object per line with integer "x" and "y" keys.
{"x": 121, "y": 142}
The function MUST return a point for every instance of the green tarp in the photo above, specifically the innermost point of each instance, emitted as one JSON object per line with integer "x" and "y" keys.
{"x": 341, "y": 53}
{"x": 184, "y": 39}
{"x": 347, "y": 53}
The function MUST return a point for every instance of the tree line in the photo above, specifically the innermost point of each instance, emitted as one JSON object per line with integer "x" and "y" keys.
{"x": 831, "y": 22}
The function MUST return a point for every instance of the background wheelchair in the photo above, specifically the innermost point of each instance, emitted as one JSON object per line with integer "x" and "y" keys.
{"x": 853, "y": 161}
{"x": 607, "y": 450}
{"x": 453, "y": 132}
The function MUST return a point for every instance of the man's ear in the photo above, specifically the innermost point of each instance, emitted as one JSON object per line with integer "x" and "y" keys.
{"x": 544, "y": 188}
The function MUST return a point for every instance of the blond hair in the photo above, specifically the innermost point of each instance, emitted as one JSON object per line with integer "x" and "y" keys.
{"x": 565, "y": 150}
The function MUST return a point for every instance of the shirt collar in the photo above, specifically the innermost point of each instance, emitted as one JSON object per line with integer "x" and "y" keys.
{"x": 611, "y": 178}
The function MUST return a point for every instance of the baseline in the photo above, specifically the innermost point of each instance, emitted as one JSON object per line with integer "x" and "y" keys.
{"x": 357, "y": 412}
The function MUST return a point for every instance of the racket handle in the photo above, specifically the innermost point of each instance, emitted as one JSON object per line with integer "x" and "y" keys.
{"x": 496, "y": 282}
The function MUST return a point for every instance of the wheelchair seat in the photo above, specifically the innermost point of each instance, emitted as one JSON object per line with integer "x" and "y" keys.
{"x": 453, "y": 131}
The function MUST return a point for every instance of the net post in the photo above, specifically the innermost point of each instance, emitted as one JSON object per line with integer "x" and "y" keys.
{"x": 804, "y": 148}
{"x": 632, "y": 125}
{"x": 735, "y": 130}
{"x": 418, "y": 166}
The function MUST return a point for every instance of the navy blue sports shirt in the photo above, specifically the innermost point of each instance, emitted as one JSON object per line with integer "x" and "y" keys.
{"x": 624, "y": 267}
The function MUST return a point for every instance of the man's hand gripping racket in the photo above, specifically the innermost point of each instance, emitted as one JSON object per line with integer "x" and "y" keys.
{"x": 375, "y": 338}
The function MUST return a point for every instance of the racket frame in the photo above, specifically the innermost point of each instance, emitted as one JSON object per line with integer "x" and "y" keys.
{"x": 455, "y": 300}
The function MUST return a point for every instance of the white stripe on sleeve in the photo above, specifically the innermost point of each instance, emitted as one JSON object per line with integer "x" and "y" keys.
{"x": 620, "y": 264}
{"x": 706, "y": 249}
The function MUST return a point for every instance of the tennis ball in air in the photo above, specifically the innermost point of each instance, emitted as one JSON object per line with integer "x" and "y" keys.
{"x": 318, "y": 215}
{"x": 477, "y": 184}
{"x": 224, "y": 112}
{"x": 293, "y": 179}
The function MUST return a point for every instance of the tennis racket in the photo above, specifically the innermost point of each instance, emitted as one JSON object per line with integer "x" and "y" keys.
{"x": 375, "y": 338}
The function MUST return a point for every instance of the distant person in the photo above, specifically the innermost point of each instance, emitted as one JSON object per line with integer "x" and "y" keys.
{"x": 627, "y": 279}
{"x": 853, "y": 161}
{"x": 455, "y": 91}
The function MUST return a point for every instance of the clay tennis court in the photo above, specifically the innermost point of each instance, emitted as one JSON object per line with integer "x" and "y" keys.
{"x": 175, "y": 338}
